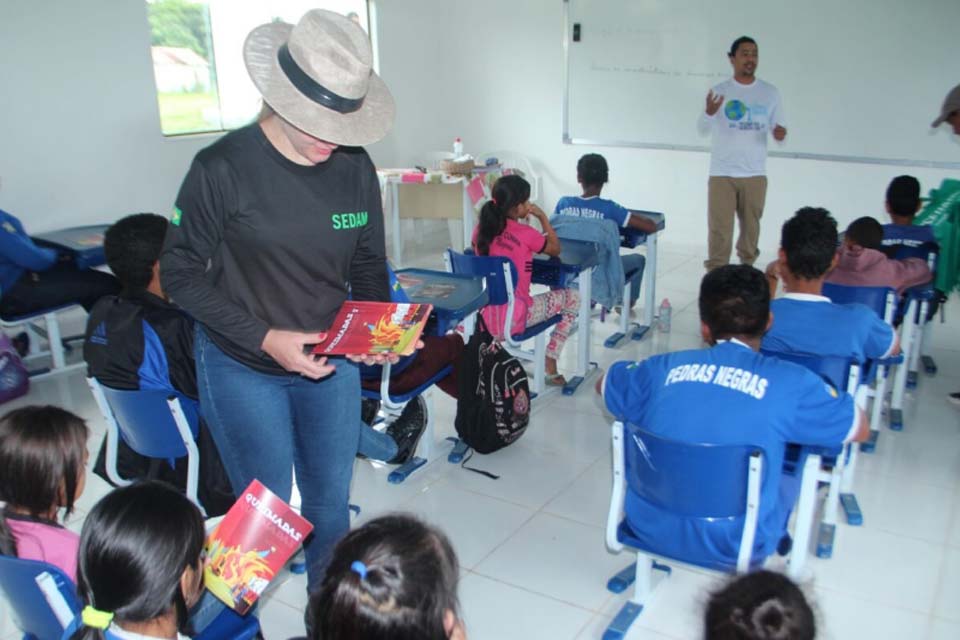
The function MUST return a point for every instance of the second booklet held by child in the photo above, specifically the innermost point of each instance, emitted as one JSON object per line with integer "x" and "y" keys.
{"x": 371, "y": 328}
{"x": 250, "y": 545}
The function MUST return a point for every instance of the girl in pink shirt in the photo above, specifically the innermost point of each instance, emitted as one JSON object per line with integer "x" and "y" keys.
{"x": 43, "y": 457}
{"x": 500, "y": 233}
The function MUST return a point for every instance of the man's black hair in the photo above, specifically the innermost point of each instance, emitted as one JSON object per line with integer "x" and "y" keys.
{"x": 809, "y": 239}
{"x": 132, "y": 246}
{"x": 866, "y": 232}
{"x": 903, "y": 196}
{"x": 739, "y": 41}
{"x": 735, "y": 301}
{"x": 592, "y": 170}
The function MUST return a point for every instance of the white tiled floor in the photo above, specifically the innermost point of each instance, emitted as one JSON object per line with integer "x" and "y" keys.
{"x": 531, "y": 544}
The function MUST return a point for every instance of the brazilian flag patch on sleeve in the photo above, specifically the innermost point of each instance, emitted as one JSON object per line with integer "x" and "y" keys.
{"x": 175, "y": 218}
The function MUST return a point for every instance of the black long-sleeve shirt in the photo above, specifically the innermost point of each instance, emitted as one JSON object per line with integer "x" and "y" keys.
{"x": 284, "y": 242}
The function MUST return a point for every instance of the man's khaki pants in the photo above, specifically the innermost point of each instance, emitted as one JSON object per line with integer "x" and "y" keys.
{"x": 745, "y": 196}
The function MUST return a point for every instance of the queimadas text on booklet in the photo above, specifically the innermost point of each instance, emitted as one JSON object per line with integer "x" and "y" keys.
{"x": 371, "y": 328}
{"x": 250, "y": 545}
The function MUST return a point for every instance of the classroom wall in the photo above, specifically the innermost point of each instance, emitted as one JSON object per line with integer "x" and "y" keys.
{"x": 81, "y": 142}
{"x": 492, "y": 73}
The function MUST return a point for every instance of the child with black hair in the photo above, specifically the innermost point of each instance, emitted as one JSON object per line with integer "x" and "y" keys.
{"x": 806, "y": 321}
{"x": 728, "y": 394}
{"x": 139, "y": 339}
{"x": 43, "y": 457}
{"x": 903, "y": 203}
{"x": 592, "y": 174}
{"x": 395, "y": 577}
{"x": 140, "y": 569}
{"x": 861, "y": 263}
{"x": 499, "y": 233}
{"x": 762, "y": 605}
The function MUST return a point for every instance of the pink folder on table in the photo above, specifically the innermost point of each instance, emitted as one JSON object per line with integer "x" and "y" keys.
{"x": 476, "y": 192}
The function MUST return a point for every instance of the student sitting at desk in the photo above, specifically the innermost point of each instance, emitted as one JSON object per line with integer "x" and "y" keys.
{"x": 729, "y": 394}
{"x": 903, "y": 203}
{"x": 592, "y": 174}
{"x": 805, "y": 321}
{"x": 500, "y": 234}
{"x": 861, "y": 263}
{"x": 34, "y": 278}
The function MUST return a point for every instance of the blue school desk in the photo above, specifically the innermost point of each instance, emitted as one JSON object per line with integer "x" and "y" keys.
{"x": 86, "y": 243}
{"x": 631, "y": 238}
{"x": 454, "y": 296}
{"x": 577, "y": 258}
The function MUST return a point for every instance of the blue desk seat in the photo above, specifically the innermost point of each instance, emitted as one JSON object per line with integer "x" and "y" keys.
{"x": 46, "y": 606}
{"x": 500, "y": 276}
{"x": 712, "y": 483}
{"x": 838, "y": 465}
{"x": 883, "y": 301}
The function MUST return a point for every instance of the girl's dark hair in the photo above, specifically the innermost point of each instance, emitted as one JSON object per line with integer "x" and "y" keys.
{"x": 592, "y": 170}
{"x": 507, "y": 192}
{"x": 42, "y": 452}
{"x": 410, "y": 583}
{"x": 760, "y": 606}
{"x": 134, "y": 547}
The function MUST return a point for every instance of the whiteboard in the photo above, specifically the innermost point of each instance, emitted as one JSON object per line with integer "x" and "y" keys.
{"x": 860, "y": 80}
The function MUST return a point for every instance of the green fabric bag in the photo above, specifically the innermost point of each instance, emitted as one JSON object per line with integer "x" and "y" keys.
{"x": 942, "y": 212}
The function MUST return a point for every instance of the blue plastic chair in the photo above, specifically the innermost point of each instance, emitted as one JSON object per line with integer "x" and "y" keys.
{"x": 839, "y": 465}
{"x": 694, "y": 480}
{"x": 46, "y": 607}
{"x": 883, "y": 300}
{"x": 35, "y": 590}
{"x": 393, "y": 404}
{"x": 914, "y": 327}
{"x": 155, "y": 424}
{"x": 500, "y": 276}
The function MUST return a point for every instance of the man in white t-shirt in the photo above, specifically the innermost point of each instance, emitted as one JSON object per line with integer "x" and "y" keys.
{"x": 740, "y": 113}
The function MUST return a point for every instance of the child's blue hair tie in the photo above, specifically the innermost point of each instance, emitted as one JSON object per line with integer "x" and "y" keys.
{"x": 359, "y": 568}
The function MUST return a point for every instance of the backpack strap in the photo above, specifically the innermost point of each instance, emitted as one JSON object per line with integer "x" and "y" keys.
{"x": 466, "y": 459}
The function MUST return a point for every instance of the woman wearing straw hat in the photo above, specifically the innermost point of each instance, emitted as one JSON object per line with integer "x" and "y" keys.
{"x": 274, "y": 226}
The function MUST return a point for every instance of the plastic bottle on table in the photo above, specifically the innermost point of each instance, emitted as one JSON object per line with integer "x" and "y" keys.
{"x": 663, "y": 321}
{"x": 457, "y": 148}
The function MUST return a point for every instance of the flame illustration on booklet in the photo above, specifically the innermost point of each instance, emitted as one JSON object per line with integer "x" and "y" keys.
{"x": 370, "y": 328}
{"x": 250, "y": 545}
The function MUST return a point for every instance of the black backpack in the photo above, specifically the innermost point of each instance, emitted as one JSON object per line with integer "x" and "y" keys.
{"x": 493, "y": 404}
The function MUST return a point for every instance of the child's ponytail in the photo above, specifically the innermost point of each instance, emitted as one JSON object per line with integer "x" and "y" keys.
{"x": 508, "y": 192}
{"x": 395, "y": 577}
{"x": 135, "y": 545}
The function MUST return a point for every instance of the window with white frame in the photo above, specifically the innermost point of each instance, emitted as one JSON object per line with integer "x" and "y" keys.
{"x": 197, "y": 50}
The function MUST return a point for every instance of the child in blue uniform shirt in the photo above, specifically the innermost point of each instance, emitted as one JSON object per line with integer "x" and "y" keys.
{"x": 35, "y": 278}
{"x": 902, "y": 238}
{"x": 806, "y": 321}
{"x": 729, "y": 394}
{"x": 592, "y": 174}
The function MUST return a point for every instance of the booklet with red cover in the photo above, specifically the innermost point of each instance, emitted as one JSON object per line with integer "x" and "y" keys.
{"x": 250, "y": 545}
{"x": 370, "y": 328}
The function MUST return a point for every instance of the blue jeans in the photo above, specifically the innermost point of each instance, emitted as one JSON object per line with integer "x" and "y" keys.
{"x": 265, "y": 426}
{"x": 630, "y": 262}
{"x": 375, "y": 444}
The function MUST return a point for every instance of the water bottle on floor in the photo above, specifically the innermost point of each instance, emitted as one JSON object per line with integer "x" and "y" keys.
{"x": 663, "y": 319}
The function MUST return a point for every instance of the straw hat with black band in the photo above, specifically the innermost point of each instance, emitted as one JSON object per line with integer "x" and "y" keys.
{"x": 318, "y": 76}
